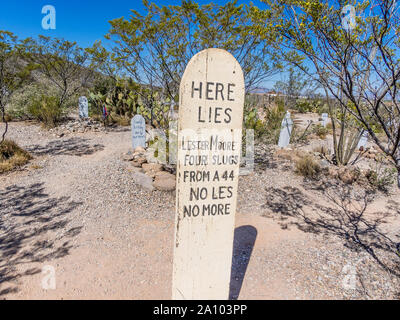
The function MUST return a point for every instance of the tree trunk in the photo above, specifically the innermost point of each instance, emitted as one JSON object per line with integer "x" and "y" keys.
{"x": 3, "y": 117}
{"x": 3, "y": 137}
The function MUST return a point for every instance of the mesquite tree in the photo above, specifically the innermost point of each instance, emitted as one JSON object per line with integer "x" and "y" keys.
{"x": 155, "y": 48}
{"x": 62, "y": 63}
{"x": 14, "y": 72}
{"x": 356, "y": 63}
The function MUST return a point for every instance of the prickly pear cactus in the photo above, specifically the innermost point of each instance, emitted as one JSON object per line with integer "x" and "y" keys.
{"x": 127, "y": 99}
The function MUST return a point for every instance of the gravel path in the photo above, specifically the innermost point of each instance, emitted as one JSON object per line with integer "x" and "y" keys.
{"x": 76, "y": 209}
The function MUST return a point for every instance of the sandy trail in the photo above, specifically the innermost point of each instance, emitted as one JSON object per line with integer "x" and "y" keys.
{"x": 78, "y": 211}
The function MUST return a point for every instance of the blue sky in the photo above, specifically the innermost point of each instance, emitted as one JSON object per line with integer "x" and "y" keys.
{"x": 83, "y": 21}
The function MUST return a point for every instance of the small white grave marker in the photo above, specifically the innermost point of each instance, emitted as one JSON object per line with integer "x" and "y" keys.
{"x": 325, "y": 118}
{"x": 209, "y": 148}
{"x": 286, "y": 131}
{"x": 363, "y": 140}
{"x": 138, "y": 127}
{"x": 83, "y": 108}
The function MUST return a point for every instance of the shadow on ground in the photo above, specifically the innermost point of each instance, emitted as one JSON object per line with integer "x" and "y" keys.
{"x": 243, "y": 245}
{"x": 344, "y": 214}
{"x": 72, "y": 147}
{"x": 264, "y": 160}
{"x": 118, "y": 128}
{"x": 33, "y": 228}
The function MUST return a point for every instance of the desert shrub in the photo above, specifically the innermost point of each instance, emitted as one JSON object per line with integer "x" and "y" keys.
{"x": 12, "y": 156}
{"x": 311, "y": 105}
{"x": 319, "y": 106}
{"x": 308, "y": 167}
{"x": 120, "y": 120}
{"x": 39, "y": 102}
{"x": 268, "y": 126}
{"x": 252, "y": 120}
{"x": 47, "y": 110}
{"x": 300, "y": 135}
{"x": 7, "y": 117}
{"x": 273, "y": 121}
{"x": 303, "y": 106}
{"x": 320, "y": 131}
{"x": 21, "y": 100}
{"x": 381, "y": 178}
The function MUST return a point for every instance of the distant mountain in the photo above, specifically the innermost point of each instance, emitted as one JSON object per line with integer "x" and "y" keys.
{"x": 260, "y": 90}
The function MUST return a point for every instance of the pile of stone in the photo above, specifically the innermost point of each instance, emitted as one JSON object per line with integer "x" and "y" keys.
{"x": 148, "y": 174}
{"x": 371, "y": 153}
{"x": 78, "y": 126}
{"x": 348, "y": 174}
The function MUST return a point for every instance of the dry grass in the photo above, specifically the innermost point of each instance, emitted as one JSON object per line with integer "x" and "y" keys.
{"x": 320, "y": 131}
{"x": 12, "y": 156}
{"x": 36, "y": 167}
{"x": 121, "y": 120}
{"x": 308, "y": 167}
{"x": 322, "y": 150}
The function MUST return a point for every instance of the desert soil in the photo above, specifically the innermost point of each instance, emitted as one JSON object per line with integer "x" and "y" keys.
{"x": 75, "y": 208}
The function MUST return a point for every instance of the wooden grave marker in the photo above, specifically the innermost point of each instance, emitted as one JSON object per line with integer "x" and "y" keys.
{"x": 209, "y": 148}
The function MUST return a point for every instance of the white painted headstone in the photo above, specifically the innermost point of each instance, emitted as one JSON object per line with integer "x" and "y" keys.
{"x": 173, "y": 135}
{"x": 209, "y": 148}
{"x": 325, "y": 118}
{"x": 248, "y": 159}
{"x": 138, "y": 127}
{"x": 83, "y": 108}
{"x": 286, "y": 131}
{"x": 363, "y": 140}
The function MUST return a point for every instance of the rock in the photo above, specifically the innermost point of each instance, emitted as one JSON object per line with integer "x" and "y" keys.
{"x": 165, "y": 183}
{"x": 143, "y": 180}
{"x": 155, "y": 167}
{"x": 78, "y": 126}
{"x": 150, "y": 156}
{"x": 373, "y": 150}
{"x": 140, "y": 150}
{"x": 127, "y": 156}
{"x": 333, "y": 172}
{"x": 245, "y": 172}
{"x": 346, "y": 177}
{"x": 139, "y": 155}
{"x": 348, "y": 174}
{"x": 324, "y": 164}
{"x": 164, "y": 175}
{"x": 369, "y": 155}
{"x": 135, "y": 169}
{"x": 138, "y": 162}
{"x": 151, "y": 174}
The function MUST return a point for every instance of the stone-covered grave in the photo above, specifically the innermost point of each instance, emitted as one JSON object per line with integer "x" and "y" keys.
{"x": 78, "y": 126}
{"x": 148, "y": 174}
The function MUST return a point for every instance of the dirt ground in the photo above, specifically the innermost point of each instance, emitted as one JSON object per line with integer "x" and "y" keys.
{"x": 75, "y": 210}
